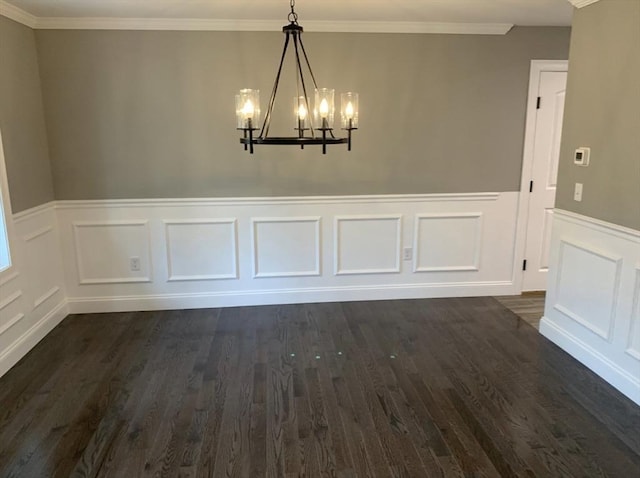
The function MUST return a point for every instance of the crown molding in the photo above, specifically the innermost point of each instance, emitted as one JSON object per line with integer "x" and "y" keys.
{"x": 178, "y": 24}
{"x": 581, "y": 3}
{"x": 197, "y": 24}
{"x": 408, "y": 27}
{"x": 17, "y": 14}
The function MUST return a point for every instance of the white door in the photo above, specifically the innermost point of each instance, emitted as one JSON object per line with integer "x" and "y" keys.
{"x": 544, "y": 171}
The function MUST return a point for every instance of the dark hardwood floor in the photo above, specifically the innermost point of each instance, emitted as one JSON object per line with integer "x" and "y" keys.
{"x": 528, "y": 306}
{"x": 414, "y": 388}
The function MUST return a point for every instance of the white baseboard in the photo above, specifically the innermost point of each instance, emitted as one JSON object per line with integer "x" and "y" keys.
{"x": 18, "y": 349}
{"x": 83, "y": 305}
{"x": 594, "y": 360}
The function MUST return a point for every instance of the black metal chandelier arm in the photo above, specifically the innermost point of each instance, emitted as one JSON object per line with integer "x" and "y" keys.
{"x": 267, "y": 119}
{"x": 294, "y": 141}
{"x": 306, "y": 59}
{"x": 296, "y": 39}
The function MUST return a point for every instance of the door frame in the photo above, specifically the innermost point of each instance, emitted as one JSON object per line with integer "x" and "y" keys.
{"x": 522, "y": 220}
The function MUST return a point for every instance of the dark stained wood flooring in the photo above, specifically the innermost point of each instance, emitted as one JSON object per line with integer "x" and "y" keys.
{"x": 528, "y": 306}
{"x": 413, "y": 388}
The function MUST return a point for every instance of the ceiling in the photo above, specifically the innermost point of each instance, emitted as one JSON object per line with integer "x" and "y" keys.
{"x": 517, "y": 12}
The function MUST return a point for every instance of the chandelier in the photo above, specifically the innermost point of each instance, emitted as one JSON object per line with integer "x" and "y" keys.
{"x": 313, "y": 126}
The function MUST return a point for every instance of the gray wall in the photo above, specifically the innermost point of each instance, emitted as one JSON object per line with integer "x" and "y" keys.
{"x": 21, "y": 118}
{"x": 602, "y": 111}
{"x": 133, "y": 114}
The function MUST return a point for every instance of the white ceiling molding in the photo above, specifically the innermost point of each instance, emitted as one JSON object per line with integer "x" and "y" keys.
{"x": 379, "y": 16}
{"x": 581, "y": 3}
{"x": 17, "y": 14}
{"x": 269, "y": 25}
{"x": 197, "y": 24}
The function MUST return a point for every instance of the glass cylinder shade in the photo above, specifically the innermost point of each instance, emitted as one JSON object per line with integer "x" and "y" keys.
{"x": 323, "y": 108}
{"x": 301, "y": 112}
{"x": 248, "y": 108}
{"x": 349, "y": 110}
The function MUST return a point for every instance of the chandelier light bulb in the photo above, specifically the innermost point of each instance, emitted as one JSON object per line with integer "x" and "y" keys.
{"x": 302, "y": 112}
{"x": 248, "y": 109}
{"x": 348, "y": 111}
{"x": 324, "y": 108}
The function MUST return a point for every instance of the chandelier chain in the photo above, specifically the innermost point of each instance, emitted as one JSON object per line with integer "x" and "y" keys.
{"x": 293, "y": 16}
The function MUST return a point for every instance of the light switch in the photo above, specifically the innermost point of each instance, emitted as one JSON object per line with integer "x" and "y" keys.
{"x": 577, "y": 192}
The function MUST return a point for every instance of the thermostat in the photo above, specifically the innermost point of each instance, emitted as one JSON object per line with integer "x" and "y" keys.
{"x": 581, "y": 157}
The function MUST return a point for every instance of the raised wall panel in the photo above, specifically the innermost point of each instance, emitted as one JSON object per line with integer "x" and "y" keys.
{"x": 448, "y": 242}
{"x": 104, "y": 249}
{"x": 11, "y": 331}
{"x": 201, "y": 249}
{"x": 11, "y": 310}
{"x": 10, "y": 299}
{"x": 633, "y": 347}
{"x": 368, "y": 244}
{"x": 14, "y": 307}
{"x": 587, "y": 287}
{"x": 286, "y": 247}
{"x": 6, "y": 325}
{"x": 41, "y": 256}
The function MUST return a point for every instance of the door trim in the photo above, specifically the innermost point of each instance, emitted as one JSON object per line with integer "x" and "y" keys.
{"x": 537, "y": 67}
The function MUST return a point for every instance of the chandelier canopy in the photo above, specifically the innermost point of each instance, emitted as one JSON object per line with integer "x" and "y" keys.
{"x": 314, "y": 126}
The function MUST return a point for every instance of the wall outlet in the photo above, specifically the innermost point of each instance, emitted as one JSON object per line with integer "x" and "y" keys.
{"x": 407, "y": 254}
{"x": 577, "y": 192}
{"x": 134, "y": 264}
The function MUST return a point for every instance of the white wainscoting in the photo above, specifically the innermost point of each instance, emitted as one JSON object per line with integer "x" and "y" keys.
{"x": 633, "y": 343}
{"x": 201, "y": 249}
{"x": 286, "y": 246}
{"x": 448, "y": 242}
{"x": 367, "y": 244}
{"x": 32, "y": 291}
{"x": 249, "y": 251}
{"x": 104, "y": 250}
{"x": 592, "y": 306}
